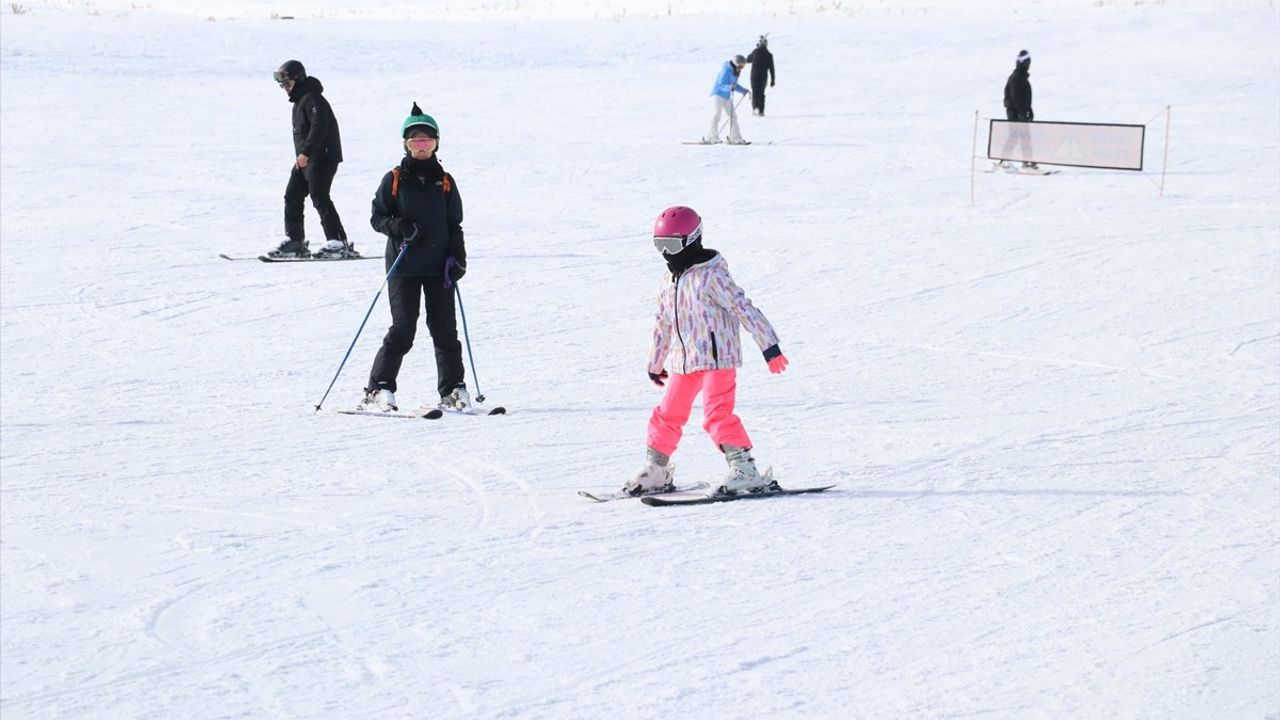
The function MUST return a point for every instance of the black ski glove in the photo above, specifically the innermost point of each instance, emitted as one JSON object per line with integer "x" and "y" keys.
{"x": 407, "y": 229}
{"x": 657, "y": 379}
{"x": 454, "y": 269}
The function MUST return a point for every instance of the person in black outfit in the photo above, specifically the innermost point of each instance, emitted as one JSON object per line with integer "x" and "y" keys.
{"x": 319, "y": 148}
{"x": 1017, "y": 106}
{"x": 418, "y": 207}
{"x": 761, "y": 65}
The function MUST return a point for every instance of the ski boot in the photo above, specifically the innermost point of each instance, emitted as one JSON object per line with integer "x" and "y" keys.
{"x": 291, "y": 248}
{"x": 656, "y": 476}
{"x": 335, "y": 250}
{"x": 743, "y": 476}
{"x": 379, "y": 400}
{"x": 457, "y": 399}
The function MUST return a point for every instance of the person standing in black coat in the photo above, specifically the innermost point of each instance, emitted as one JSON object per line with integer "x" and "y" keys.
{"x": 1017, "y": 106}
{"x": 761, "y": 65}
{"x": 418, "y": 206}
{"x": 319, "y": 150}
{"x": 1017, "y": 90}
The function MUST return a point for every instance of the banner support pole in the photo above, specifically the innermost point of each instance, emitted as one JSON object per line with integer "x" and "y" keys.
{"x": 973, "y": 158}
{"x": 1168, "y": 110}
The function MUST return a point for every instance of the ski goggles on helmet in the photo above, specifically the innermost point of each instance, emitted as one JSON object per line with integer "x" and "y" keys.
{"x": 672, "y": 244}
{"x": 281, "y": 77}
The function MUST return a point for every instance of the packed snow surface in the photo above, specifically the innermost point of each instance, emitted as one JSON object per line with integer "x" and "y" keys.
{"x": 1051, "y": 405}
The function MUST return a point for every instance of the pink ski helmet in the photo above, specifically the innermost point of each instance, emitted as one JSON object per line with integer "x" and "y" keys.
{"x": 675, "y": 229}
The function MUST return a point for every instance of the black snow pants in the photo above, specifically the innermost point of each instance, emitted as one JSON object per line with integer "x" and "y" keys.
{"x": 314, "y": 180}
{"x": 405, "y": 294}
{"x": 757, "y": 95}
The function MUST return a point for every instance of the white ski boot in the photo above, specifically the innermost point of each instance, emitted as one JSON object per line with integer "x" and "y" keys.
{"x": 458, "y": 399}
{"x": 743, "y": 476}
{"x": 380, "y": 400}
{"x": 335, "y": 250}
{"x": 656, "y": 476}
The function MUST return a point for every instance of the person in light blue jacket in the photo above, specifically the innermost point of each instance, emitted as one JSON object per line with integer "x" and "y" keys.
{"x": 722, "y": 98}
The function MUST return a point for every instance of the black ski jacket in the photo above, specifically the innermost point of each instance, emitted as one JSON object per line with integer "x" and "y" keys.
{"x": 761, "y": 62}
{"x": 431, "y": 201}
{"x": 1017, "y": 95}
{"x": 315, "y": 129}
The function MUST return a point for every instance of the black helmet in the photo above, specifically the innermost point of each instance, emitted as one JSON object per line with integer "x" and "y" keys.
{"x": 290, "y": 70}
{"x": 739, "y": 60}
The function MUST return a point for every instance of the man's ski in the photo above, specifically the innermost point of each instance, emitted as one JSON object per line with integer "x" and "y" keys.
{"x": 315, "y": 258}
{"x": 708, "y": 499}
{"x": 269, "y": 259}
{"x": 424, "y": 413}
{"x": 619, "y": 495}
{"x": 1014, "y": 170}
{"x": 704, "y": 142}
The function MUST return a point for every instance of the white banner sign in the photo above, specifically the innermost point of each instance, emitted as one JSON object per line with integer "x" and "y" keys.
{"x": 1116, "y": 147}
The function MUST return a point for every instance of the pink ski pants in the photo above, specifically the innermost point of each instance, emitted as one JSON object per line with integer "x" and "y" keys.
{"x": 718, "y": 388}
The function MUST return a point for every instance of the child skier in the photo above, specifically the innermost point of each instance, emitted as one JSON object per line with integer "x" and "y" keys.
{"x": 700, "y": 310}
{"x": 418, "y": 204}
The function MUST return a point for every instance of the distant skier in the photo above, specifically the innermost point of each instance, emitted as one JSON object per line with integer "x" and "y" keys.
{"x": 761, "y": 66}
{"x": 700, "y": 312}
{"x": 1017, "y": 107}
{"x": 319, "y": 148}
{"x": 418, "y": 204}
{"x": 722, "y": 98}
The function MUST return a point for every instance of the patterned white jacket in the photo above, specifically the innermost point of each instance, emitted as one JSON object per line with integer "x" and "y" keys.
{"x": 698, "y": 320}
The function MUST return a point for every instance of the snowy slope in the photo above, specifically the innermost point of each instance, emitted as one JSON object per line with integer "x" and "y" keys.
{"x": 1053, "y": 413}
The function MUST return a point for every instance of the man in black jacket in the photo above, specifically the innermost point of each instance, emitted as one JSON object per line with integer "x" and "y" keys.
{"x": 319, "y": 148}
{"x": 1017, "y": 105}
{"x": 761, "y": 65}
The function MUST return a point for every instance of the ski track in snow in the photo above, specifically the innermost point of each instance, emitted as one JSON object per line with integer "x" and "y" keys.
{"x": 1051, "y": 415}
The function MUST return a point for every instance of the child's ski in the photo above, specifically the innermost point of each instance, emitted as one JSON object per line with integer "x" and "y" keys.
{"x": 708, "y": 499}
{"x": 619, "y": 495}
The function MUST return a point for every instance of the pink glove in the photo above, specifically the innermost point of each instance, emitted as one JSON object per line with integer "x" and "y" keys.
{"x": 778, "y": 364}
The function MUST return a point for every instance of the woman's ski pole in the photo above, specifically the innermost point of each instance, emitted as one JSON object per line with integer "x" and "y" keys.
{"x": 470, "y": 358}
{"x": 735, "y": 110}
{"x": 403, "y": 247}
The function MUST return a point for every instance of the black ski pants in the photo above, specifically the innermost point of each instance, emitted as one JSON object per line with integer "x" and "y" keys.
{"x": 314, "y": 180}
{"x": 405, "y": 294}
{"x": 757, "y": 95}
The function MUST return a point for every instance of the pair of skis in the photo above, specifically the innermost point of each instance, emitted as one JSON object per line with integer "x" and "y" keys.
{"x": 735, "y": 144}
{"x": 1015, "y": 170}
{"x": 270, "y": 259}
{"x": 426, "y": 413}
{"x": 656, "y": 499}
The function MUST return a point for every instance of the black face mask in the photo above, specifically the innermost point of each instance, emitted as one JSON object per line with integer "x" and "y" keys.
{"x": 688, "y": 257}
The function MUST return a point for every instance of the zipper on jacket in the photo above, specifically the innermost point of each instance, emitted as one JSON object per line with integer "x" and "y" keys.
{"x": 675, "y": 312}
{"x": 715, "y": 356}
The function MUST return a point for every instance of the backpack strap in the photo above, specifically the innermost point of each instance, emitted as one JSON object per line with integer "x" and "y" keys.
{"x": 395, "y": 182}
